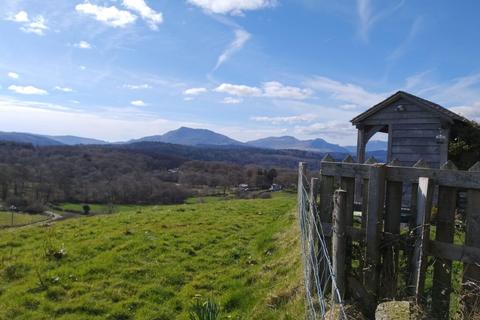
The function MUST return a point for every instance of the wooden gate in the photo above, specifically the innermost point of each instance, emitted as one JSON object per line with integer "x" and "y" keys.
{"x": 385, "y": 259}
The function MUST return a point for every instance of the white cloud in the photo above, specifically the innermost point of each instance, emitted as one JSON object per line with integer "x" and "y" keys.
{"x": 275, "y": 89}
{"x": 138, "y": 103}
{"x": 470, "y": 112}
{"x": 64, "y": 89}
{"x": 111, "y": 16}
{"x": 194, "y": 91}
{"x": 231, "y": 100}
{"x": 241, "y": 37}
{"x": 234, "y": 7}
{"x": 83, "y": 45}
{"x": 137, "y": 86}
{"x": 21, "y": 16}
{"x": 36, "y": 25}
{"x": 288, "y": 119}
{"x": 29, "y": 90}
{"x": 189, "y": 98}
{"x": 367, "y": 18}
{"x": 152, "y": 17}
{"x": 238, "y": 90}
{"x": 347, "y": 92}
{"x": 13, "y": 75}
{"x": 331, "y": 130}
{"x": 83, "y": 68}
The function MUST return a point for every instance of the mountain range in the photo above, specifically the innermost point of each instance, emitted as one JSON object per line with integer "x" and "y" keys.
{"x": 197, "y": 137}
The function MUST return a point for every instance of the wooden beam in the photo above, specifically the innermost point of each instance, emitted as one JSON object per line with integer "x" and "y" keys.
{"x": 445, "y": 231}
{"x": 376, "y": 202}
{"x": 471, "y": 276}
{"x": 339, "y": 244}
{"x": 422, "y": 233}
{"x": 391, "y": 252}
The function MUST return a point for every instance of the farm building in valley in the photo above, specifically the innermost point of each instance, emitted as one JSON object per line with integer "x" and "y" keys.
{"x": 417, "y": 129}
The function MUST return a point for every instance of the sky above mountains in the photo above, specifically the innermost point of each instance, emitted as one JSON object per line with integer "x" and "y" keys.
{"x": 123, "y": 69}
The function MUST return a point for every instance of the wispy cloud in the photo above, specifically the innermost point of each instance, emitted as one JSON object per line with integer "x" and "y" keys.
{"x": 153, "y": 18}
{"x": 233, "y": 7}
{"x": 111, "y": 16}
{"x": 287, "y": 119}
{"x": 36, "y": 25}
{"x": 367, "y": 18}
{"x": 238, "y": 90}
{"x": 271, "y": 89}
{"x": 83, "y": 45}
{"x": 406, "y": 43}
{"x": 231, "y": 100}
{"x": 138, "y": 103}
{"x": 194, "y": 91}
{"x": 27, "y": 90}
{"x": 346, "y": 92}
{"x": 137, "y": 86}
{"x": 63, "y": 89}
{"x": 241, "y": 37}
{"x": 13, "y": 75}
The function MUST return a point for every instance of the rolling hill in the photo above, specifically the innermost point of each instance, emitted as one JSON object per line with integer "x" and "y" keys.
{"x": 190, "y": 137}
{"x": 43, "y": 140}
{"x": 289, "y": 142}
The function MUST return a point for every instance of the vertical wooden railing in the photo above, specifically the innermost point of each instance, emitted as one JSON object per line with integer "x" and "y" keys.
{"x": 382, "y": 241}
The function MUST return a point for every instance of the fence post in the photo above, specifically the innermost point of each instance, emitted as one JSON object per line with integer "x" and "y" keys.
{"x": 311, "y": 231}
{"x": 348, "y": 184}
{"x": 325, "y": 216}
{"x": 339, "y": 243}
{"x": 471, "y": 277}
{"x": 445, "y": 231}
{"x": 375, "y": 207}
{"x": 393, "y": 206}
{"x": 422, "y": 234}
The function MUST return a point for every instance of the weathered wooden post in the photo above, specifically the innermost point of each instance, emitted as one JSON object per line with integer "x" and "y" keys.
{"x": 422, "y": 234}
{"x": 325, "y": 216}
{"x": 339, "y": 243}
{"x": 393, "y": 205}
{"x": 348, "y": 184}
{"x": 376, "y": 202}
{"x": 311, "y": 231}
{"x": 471, "y": 276}
{"x": 445, "y": 231}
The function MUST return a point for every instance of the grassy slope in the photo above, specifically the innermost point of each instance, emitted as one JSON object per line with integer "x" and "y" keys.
{"x": 19, "y": 218}
{"x": 149, "y": 264}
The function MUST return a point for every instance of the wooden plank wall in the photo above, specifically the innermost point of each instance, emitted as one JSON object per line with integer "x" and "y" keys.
{"x": 413, "y": 133}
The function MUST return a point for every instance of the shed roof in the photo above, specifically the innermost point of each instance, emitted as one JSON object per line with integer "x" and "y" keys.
{"x": 443, "y": 112}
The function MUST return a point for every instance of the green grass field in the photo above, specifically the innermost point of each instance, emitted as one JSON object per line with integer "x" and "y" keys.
{"x": 19, "y": 219}
{"x": 153, "y": 262}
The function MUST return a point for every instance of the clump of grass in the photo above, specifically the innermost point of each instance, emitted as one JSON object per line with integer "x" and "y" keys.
{"x": 207, "y": 310}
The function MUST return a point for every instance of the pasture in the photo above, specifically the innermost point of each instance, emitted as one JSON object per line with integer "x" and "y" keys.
{"x": 19, "y": 219}
{"x": 152, "y": 262}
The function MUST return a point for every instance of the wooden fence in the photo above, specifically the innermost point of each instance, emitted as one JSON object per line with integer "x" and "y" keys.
{"x": 376, "y": 259}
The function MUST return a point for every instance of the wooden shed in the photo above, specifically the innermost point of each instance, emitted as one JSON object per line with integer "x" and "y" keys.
{"x": 417, "y": 129}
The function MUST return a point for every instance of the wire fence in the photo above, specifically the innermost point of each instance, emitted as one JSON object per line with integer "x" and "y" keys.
{"x": 323, "y": 299}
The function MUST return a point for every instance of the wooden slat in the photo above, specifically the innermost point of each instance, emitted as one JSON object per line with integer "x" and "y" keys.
{"x": 376, "y": 202}
{"x": 422, "y": 233}
{"x": 448, "y": 178}
{"x": 391, "y": 252}
{"x": 445, "y": 231}
{"x": 471, "y": 277}
{"x": 325, "y": 216}
{"x": 348, "y": 184}
{"x": 339, "y": 244}
{"x": 309, "y": 272}
{"x": 435, "y": 150}
{"x": 454, "y": 252}
{"x": 354, "y": 233}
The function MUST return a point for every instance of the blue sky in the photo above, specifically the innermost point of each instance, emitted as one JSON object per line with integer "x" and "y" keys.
{"x": 122, "y": 69}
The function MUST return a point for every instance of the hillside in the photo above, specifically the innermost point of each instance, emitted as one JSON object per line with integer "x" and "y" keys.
{"x": 152, "y": 262}
{"x": 44, "y": 140}
{"x": 190, "y": 137}
{"x": 288, "y": 142}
